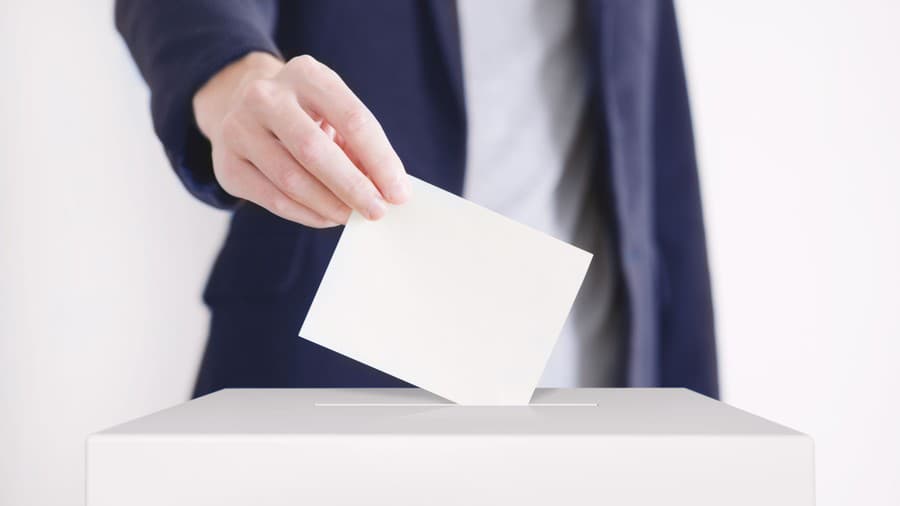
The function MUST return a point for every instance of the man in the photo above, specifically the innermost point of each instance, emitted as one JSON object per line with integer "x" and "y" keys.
{"x": 569, "y": 116}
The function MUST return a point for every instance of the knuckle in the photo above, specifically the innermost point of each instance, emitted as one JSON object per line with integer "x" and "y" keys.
{"x": 292, "y": 182}
{"x": 280, "y": 205}
{"x": 258, "y": 92}
{"x": 283, "y": 100}
{"x": 303, "y": 61}
{"x": 316, "y": 74}
{"x": 304, "y": 65}
{"x": 311, "y": 149}
{"x": 357, "y": 120}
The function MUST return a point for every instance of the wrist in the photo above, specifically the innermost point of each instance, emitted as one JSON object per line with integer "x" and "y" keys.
{"x": 210, "y": 102}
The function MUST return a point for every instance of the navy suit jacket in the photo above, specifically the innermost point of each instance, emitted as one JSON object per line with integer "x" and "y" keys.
{"x": 402, "y": 58}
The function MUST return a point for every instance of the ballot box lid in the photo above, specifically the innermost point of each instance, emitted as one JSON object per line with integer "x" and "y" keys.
{"x": 409, "y": 411}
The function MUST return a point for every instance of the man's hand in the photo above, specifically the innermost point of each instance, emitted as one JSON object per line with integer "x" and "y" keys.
{"x": 294, "y": 139}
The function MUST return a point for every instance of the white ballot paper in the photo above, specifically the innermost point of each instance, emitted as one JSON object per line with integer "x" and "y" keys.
{"x": 448, "y": 296}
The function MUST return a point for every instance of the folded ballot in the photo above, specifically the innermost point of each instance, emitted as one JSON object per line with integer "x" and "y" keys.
{"x": 448, "y": 296}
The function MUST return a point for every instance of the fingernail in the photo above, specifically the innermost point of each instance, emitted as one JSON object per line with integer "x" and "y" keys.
{"x": 398, "y": 191}
{"x": 376, "y": 209}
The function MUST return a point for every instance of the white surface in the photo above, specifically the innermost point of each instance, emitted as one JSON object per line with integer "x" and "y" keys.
{"x": 523, "y": 65}
{"x": 606, "y": 411}
{"x": 436, "y": 293}
{"x": 103, "y": 255}
{"x": 400, "y": 446}
{"x": 795, "y": 106}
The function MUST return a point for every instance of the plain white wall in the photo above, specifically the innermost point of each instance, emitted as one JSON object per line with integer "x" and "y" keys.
{"x": 798, "y": 124}
{"x": 103, "y": 255}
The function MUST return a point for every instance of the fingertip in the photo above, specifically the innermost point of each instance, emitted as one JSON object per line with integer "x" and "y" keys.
{"x": 399, "y": 191}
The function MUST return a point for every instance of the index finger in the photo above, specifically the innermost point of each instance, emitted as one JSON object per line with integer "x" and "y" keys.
{"x": 324, "y": 94}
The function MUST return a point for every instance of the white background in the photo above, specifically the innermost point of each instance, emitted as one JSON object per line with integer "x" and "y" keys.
{"x": 103, "y": 255}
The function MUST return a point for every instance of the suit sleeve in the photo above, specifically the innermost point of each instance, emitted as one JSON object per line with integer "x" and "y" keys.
{"x": 688, "y": 347}
{"x": 178, "y": 45}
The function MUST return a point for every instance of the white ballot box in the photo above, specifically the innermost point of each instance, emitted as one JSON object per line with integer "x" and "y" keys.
{"x": 404, "y": 447}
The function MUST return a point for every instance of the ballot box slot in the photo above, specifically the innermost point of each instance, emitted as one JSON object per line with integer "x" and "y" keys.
{"x": 448, "y": 405}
